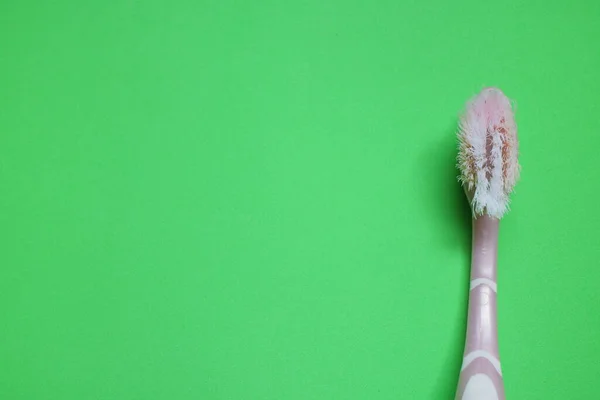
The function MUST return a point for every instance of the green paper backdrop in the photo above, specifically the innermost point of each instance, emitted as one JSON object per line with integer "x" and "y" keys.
{"x": 257, "y": 200}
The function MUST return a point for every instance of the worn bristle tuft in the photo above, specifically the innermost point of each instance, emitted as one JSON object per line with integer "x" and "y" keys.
{"x": 488, "y": 150}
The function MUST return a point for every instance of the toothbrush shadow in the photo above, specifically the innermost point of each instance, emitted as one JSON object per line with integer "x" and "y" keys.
{"x": 444, "y": 197}
{"x": 446, "y": 201}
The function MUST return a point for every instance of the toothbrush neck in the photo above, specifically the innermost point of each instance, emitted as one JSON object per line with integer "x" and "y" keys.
{"x": 485, "y": 248}
{"x": 481, "y": 375}
{"x": 482, "y": 319}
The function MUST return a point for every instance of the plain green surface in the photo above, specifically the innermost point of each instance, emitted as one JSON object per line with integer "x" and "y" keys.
{"x": 257, "y": 200}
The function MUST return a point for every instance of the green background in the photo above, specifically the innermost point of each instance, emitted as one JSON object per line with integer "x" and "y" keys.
{"x": 257, "y": 200}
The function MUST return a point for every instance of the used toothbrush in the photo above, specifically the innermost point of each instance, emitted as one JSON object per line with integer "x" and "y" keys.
{"x": 489, "y": 169}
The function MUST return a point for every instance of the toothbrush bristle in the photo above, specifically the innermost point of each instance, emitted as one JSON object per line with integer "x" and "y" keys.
{"x": 488, "y": 150}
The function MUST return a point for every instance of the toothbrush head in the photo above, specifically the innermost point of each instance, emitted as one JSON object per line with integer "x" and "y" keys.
{"x": 488, "y": 149}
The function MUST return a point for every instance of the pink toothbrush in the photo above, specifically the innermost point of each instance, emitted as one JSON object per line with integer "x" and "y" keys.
{"x": 489, "y": 169}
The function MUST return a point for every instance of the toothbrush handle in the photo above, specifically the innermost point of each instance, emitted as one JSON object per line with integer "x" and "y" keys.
{"x": 481, "y": 376}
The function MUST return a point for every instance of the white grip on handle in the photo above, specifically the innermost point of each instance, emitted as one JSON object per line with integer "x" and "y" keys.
{"x": 480, "y": 387}
{"x": 481, "y": 374}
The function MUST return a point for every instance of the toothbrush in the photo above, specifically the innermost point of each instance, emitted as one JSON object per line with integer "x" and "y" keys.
{"x": 489, "y": 169}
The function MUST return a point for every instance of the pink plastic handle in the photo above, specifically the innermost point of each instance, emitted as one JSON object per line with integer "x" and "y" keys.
{"x": 481, "y": 375}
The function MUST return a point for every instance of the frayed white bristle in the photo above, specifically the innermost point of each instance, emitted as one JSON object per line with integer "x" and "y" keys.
{"x": 488, "y": 150}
